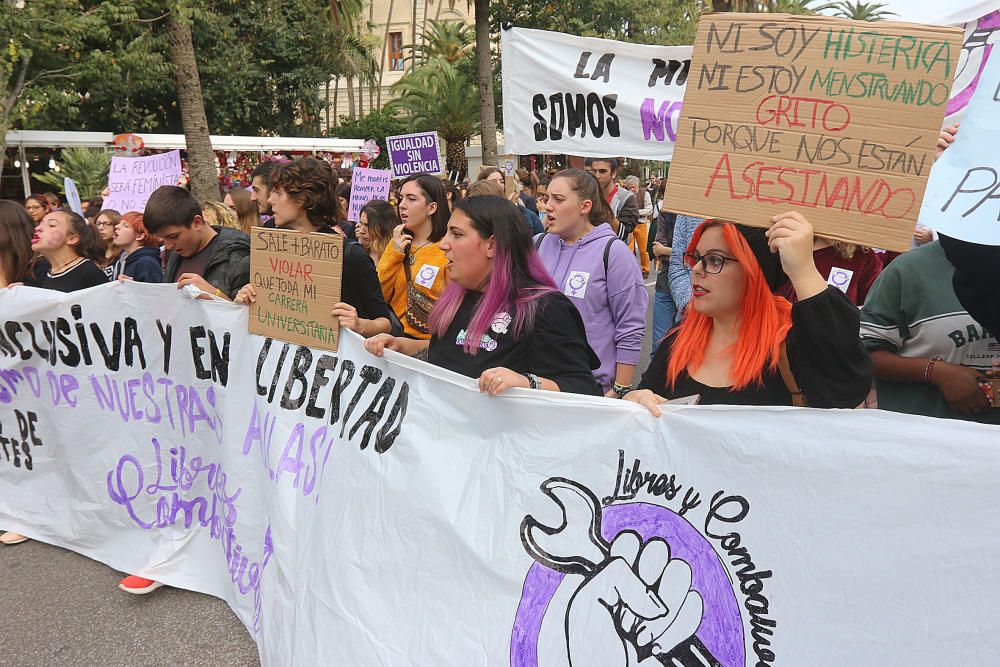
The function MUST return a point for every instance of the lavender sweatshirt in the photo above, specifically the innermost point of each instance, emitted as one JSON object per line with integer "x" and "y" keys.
{"x": 613, "y": 306}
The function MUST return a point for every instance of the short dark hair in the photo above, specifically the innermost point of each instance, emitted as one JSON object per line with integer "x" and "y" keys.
{"x": 612, "y": 162}
{"x": 312, "y": 184}
{"x": 263, "y": 169}
{"x": 170, "y": 205}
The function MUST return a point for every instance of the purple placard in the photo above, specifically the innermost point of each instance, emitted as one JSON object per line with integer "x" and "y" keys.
{"x": 132, "y": 180}
{"x": 414, "y": 154}
{"x": 366, "y": 185}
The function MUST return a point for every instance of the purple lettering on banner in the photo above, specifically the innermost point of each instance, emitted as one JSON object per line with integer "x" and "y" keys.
{"x": 169, "y": 493}
{"x": 147, "y": 399}
{"x": 660, "y": 123}
{"x": 414, "y": 154}
{"x": 303, "y": 467}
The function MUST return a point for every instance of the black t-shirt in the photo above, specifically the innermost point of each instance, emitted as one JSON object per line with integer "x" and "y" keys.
{"x": 198, "y": 262}
{"x": 555, "y": 348}
{"x": 830, "y": 365}
{"x": 359, "y": 285}
{"x": 81, "y": 276}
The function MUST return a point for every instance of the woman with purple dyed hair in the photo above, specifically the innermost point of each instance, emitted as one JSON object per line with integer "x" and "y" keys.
{"x": 501, "y": 318}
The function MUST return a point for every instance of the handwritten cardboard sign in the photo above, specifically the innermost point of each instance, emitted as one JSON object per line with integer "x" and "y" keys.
{"x": 836, "y": 119}
{"x": 366, "y": 185}
{"x": 963, "y": 194}
{"x": 133, "y": 179}
{"x": 414, "y": 154}
{"x": 297, "y": 276}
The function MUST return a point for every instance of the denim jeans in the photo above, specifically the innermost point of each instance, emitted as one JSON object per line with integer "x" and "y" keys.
{"x": 664, "y": 312}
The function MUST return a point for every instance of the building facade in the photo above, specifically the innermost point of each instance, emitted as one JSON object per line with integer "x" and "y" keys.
{"x": 396, "y": 23}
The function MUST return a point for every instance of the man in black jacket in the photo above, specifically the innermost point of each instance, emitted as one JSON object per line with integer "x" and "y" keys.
{"x": 214, "y": 259}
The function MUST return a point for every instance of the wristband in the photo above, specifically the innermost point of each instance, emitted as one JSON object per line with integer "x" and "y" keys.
{"x": 533, "y": 381}
{"x": 218, "y": 292}
{"x": 928, "y": 370}
{"x": 621, "y": 389}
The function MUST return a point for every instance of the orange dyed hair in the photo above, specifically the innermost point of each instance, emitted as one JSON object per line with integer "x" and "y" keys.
{"x": 764, "y": 323}
{"x": 134, "y": 220}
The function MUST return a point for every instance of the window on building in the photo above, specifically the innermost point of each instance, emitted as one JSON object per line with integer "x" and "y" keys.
{"x": 396, "y": 51}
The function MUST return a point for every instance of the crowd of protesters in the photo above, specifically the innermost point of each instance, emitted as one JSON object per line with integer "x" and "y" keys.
{"x": 537, "y": 281}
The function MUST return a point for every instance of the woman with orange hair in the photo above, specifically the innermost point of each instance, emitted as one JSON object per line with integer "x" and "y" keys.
{"x": 740, "y": 344}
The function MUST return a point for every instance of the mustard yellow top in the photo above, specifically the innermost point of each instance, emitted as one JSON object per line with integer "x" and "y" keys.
{"x": 427, "y": 270}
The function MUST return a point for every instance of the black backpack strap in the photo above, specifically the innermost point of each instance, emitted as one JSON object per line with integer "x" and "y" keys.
{"x": 541, "y": 237}
{"x": 607, "y": 252}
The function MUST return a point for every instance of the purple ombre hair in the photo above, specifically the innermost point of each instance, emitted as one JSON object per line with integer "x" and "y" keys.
{"x": 516, "y": 281}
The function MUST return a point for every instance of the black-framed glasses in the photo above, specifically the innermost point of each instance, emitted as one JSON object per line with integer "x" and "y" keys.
{"x": 712, "y": 261}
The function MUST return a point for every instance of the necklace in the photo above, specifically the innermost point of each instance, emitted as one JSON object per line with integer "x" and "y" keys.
{"x": 67, "y": 265}
{"x": 413, "y": 252}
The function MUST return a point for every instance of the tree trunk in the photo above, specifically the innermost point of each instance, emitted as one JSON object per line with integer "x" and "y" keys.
{"x": 454, "y": 158}
{"x": 385, "y": 46}
{"x": 487, "y": 116}
{"x": 201, "y": 160}
{"x": 361, "y": 97}
{"x": 350, "y": 98}
{"x": 336, "y": 100}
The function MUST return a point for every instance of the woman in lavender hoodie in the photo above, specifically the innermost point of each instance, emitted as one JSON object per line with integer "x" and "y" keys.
{"x": 598, "y": 273}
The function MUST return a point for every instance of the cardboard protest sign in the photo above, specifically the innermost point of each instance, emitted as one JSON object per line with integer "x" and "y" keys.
{"x": 365, "y": 507}
{"x": 72, "y": 195}
{"x": 297, "y": 276}
{"x": 416, "y": 153}
{"x": 836, "y": 119}
{"x": 588, "y": 96}
{"x": 366, "y": 185}
{"x": 133, "y": 179}
{"x": 963, "y": 194}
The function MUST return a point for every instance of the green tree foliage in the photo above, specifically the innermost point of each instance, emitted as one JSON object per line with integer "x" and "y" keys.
{"x": 105, "y": 64}
{"x": 40, "y": 56}
{"x": 861, "y": 11}
{"x": 377, "y": 125}
{"x": 440, "y": 94}
{"x": 88, "y": 167}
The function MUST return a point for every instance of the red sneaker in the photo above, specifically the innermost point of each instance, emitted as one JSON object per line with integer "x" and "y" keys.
{"x": 137, "y": 585}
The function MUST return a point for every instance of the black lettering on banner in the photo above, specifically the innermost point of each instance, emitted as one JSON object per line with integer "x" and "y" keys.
{"x": 369, "y": 375}
{"x": 373, "y": 414}
{"x": 15, "y": 448}
{"x": 262, "y": 390}
{"x": 297, "y": 375}
{"x": 386, "y": 435}
{"x": 325, "y": 363}
{"x": 81, "y": 334}
{"x": 667, "y": 70}
{"x": 731, "y": 510}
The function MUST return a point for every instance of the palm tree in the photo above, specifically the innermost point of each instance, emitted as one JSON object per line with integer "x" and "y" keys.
{"x": 452, "y": 40}
{"x": 861, "y": 11}
{"x": 440, "y": 96}
{"x": 484, "y": 79}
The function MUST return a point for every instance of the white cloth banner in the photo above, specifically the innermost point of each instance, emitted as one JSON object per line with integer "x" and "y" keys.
{"x": 365, "y": 511}
{"x": 589, "y": 96}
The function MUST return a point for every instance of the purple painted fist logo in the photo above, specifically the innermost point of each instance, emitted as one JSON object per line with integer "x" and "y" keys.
{"x": 624, "y": 585}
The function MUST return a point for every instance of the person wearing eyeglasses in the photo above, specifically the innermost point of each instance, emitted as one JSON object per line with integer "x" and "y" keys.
{"x": 36, "y": 207}
{"x": 105, "y": 223}
{"x": 740, "y": 344}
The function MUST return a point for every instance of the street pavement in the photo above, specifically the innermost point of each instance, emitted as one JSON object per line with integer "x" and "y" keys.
{"x": 62, "y": 609}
